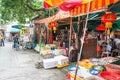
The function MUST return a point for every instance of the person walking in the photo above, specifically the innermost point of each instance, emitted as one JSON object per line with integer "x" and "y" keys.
{"x": 16, "y": 41}
{"x": 1, "y": 39}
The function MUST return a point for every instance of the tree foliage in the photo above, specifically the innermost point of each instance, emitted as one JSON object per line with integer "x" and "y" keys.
{"x": 12, "y": 10}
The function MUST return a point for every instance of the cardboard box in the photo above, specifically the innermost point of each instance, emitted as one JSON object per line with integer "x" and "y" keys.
{"x": 50, "y": 63}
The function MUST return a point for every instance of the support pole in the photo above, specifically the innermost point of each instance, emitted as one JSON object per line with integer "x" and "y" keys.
{"x": 77, "y": 34}
{"x": 70, "y": 35}
{"x": 79, "y": 55}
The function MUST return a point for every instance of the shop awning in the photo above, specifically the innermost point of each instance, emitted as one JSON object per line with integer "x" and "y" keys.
{"x": 95, "y": 5}
{"x": 58, "y": 16}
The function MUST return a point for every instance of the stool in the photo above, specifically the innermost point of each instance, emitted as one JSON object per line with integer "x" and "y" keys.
{"x": 105, "y": 53}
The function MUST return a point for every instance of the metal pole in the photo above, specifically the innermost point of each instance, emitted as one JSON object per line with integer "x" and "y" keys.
{"x": 79, "y": 55}
{"x": 70, "y": 35}
{"x": 77, "y": 34}
{"x": 48, "y": 32}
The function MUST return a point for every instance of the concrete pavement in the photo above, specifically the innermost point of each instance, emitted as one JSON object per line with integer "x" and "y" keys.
{"x": 20, "y": 65}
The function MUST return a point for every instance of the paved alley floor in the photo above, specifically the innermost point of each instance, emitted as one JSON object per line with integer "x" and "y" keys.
{"x": 20, "y": 65}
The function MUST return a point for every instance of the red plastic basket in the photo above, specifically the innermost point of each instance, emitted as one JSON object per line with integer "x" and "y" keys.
{"x": 109, "y": 75}
{"x": 113, "y": 68}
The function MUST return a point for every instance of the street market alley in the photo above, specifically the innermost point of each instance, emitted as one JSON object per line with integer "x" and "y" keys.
{"x": 20, "y": 65}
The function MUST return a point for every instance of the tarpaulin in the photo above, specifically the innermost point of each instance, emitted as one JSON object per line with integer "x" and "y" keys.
{"x": 95, "y": 5}
{"x": 58, "y": 16}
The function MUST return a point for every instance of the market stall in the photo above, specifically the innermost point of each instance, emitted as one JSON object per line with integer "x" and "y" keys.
{"x": 86, "y": 10}
{"x": 91, "y": 66}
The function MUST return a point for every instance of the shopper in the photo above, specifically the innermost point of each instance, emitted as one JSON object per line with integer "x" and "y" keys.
{"x": 1, "y": 39}
{"x": 16, "y": 41}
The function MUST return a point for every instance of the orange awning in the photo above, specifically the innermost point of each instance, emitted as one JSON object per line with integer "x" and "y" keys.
{"x": 95, "y": 5}
{"x": 58, "y": 16}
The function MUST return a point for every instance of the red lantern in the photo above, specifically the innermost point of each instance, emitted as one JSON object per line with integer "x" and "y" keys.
{"x": 101, "y": 28}
{"x": 108, "y": 17}
{"x": 49, "y": 26}
{"x": 54, "y": 24}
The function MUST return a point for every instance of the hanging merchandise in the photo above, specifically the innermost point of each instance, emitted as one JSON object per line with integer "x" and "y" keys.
{"x": 108, "y": 19}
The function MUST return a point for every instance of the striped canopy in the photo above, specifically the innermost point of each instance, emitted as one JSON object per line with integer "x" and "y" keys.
{"x": 95, "y": 5}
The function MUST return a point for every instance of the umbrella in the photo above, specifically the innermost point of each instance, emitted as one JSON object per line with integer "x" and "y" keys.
{"x": 14, "y": 30}
{"x": 101, "y": 28}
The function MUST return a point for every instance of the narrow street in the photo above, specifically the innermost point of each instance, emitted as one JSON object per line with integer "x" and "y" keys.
{"x": 20, "y": 65}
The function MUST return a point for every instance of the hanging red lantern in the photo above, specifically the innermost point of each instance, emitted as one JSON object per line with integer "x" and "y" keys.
{"x": 101, "y": 27}
{"x": 53, "y": 25}
{"x": 108, "y": 17}
{"x": 49, "y": 26}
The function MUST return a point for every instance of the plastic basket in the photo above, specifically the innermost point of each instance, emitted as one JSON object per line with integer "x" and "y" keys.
{"x": 113, "y": 68}
{"x": 109, "y": 75}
